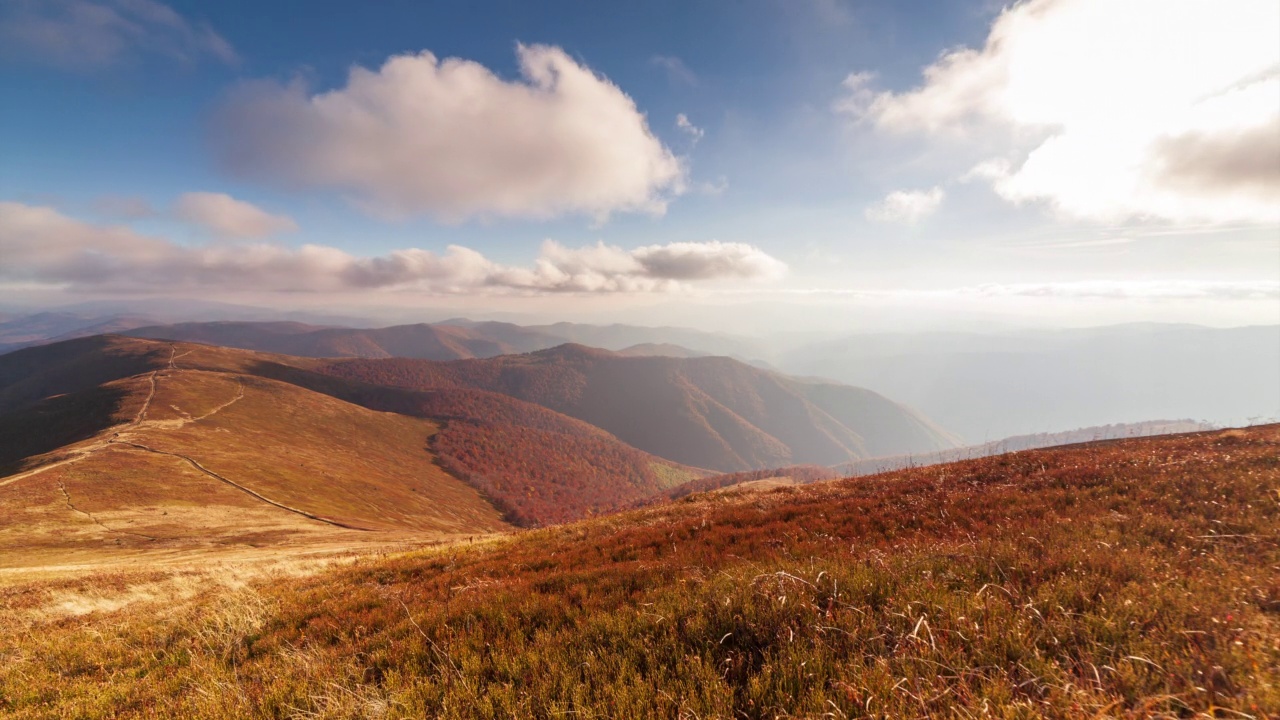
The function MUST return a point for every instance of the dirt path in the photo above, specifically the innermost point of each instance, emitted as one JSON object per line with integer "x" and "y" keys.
{"x": 239, "y": 396}
{"x": 88, "y": 450}
{"x": 80, "y": 455}
{"x": 67, "y": 497}
{"x": 137, "y": 421}
{"x": 142, "y": 414}
{"x": 195, "y": 464}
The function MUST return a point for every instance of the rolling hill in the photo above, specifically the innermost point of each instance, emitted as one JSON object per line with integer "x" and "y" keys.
{"x": 713, "y": 412}
{"x": 1130, "y": 578}
{"x": 660, "y": 350}
{"x": 533, "y": 465}
{"x": 180, "y": 457}
{"x": 39, "y": 328}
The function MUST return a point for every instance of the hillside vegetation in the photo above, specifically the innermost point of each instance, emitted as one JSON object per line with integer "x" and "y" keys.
{"x": 181, "y": 458}
{"x": 1132, "y": 578}
{"x": 714, "y": 412}
{"x": 533, "y": 464}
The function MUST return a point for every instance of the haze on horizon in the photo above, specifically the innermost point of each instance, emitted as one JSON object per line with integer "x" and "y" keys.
{"x": 825, "y": 165}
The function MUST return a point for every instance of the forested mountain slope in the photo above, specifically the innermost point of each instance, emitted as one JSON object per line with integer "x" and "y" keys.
{"x": 711, "y": 412}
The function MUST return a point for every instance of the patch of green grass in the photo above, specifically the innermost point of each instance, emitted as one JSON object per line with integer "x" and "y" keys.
{"x": 670, "y": 476}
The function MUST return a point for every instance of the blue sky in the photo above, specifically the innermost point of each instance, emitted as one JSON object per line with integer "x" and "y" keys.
{"x": 857, "y": 163}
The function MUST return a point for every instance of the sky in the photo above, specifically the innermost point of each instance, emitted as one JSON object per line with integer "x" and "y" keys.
{"x": 749, "y": 166}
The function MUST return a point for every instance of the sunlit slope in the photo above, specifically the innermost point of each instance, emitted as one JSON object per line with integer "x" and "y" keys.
{"x": 712, "y": 412}
{"x": 1130, "y": 578}
{"x": 200, "y": 456}
{"x": 537, "y": 465}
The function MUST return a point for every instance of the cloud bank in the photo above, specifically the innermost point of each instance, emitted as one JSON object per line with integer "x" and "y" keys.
{"x": 41, "y": 245}
{"x": 229, "y": 218}
{"x": 1124, "y": 290}
{"x": 1110, "y": 109}
{"x": 450, "y": 139}
{"x": 91, "y": 34}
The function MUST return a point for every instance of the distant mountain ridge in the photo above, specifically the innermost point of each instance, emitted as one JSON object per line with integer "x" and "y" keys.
{"x": 432, "y": 342}
{"x": 1018, "y": 383}
{"x": 977, "y": 385}
{"x": 448, "y": 340}
{"x": 713, "y": 412}
{"x": 1018, "y": 443}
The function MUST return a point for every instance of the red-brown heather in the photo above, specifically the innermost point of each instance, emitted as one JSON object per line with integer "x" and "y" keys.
{"x": 1132, "y": 578}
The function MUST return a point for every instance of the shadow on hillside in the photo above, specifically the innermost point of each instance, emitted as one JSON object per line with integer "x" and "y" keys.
{"x": 54, "y": 423}
{"x": 365, "y": 395}
{"x": 73, "y": 366}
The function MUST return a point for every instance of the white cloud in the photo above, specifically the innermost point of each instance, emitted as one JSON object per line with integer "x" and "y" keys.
{"x": 708, "y": 261}
{"x": 694, "y": 132}
{"x": 1111, "y": 109}
{"x": 230, "y": 218}
{"x": 906, "y": 206}
{"x": 1132, "y": 290}
{"x": 677, "y": 71}
{"x": 451, "y": 139}
{"x": 90, "y": 34}
{"x": 1151, "y": 290}
{"x": 41, "y": 245}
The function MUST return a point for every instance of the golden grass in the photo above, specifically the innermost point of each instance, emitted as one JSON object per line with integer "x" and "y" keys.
{"x": 200, "y": 459}
{"x": 1128, "y": 579}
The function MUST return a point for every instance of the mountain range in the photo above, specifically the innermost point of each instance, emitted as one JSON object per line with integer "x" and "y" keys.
{"x": 541, "y": 437}
{"x": 980, "y": 386}
{"x": 711, "y": 412}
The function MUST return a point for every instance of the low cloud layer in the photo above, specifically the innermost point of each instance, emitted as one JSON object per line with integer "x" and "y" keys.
{"x": 229, "y": 218}
{"x": 450, "y": 139}
{"x": 41, "y": 245}
{"x": 1109, "y": 109}
{"x": 906, "y": 206}
{"x": 1133, "y": 290}
{"x": 1120, "y": 290}
{"x": 92, "y": 34}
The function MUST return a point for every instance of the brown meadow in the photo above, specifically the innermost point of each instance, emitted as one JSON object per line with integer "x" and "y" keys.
{"x": 1131, "y": 578}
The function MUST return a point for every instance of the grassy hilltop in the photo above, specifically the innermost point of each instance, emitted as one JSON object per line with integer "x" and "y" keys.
{"x": 1131, "y": 578}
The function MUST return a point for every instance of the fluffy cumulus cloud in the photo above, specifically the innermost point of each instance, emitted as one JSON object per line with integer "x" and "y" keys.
{"x": 41, "y": 245}
{"x": 906, "y": 206}
{"x": 451, "y": 139}
{"x": 90, "y": 34}
{"x": 229, "y": 218}
{"x": 1111, "y": 109}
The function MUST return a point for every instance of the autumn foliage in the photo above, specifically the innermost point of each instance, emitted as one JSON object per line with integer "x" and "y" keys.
{"x": 1124, "y": 579}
